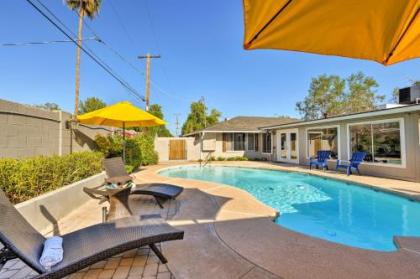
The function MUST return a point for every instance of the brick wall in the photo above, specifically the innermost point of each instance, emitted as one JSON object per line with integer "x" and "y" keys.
{"x": 27, "y": 131}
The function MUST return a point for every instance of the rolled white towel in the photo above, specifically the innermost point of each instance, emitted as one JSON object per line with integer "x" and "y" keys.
{"x": 52, "y": 253}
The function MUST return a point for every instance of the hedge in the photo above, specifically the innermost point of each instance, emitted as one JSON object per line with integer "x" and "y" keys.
{"x": 138, "y": 150}
{"x": 23, "y": 179}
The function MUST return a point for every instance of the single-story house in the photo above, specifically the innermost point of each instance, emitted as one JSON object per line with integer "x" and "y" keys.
{"x": 238, "y": 136}
{"x": 390, "y": 136}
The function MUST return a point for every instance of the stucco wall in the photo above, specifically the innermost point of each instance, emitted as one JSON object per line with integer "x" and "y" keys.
{"x": 410, "y": 172}
{"x": 27, "y": 131}
{"x": 213, "y": 140}
{"x": 162, "y": 148}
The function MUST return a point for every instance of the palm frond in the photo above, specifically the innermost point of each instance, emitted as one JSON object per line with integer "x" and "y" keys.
{"x": 90, "y": 7}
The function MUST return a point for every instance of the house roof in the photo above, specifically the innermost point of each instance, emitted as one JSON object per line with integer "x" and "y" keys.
{"x": 249, "y": 124}
{"x": 378, "y": 112}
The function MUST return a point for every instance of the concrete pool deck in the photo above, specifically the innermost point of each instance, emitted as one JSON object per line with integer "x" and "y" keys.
{"x": 230, "y": 234}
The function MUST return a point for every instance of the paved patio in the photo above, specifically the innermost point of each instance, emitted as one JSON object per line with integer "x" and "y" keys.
{"x": 229, "y": 234}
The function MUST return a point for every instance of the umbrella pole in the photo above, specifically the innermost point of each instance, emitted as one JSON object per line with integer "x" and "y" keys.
{"x": 124, "y": 142}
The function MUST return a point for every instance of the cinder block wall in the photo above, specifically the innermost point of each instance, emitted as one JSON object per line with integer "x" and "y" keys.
{"x": 26, "y": 131}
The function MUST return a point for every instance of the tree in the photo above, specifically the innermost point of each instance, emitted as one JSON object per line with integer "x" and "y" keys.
{"x": 91, "y": 104}
{"x": 361, "y": 95}
{"x": 326, "y": 97}
{"x": 84, "y": 8}
{"x": 160, "y": 131}
{"x": 48, "y": 106}
{"x": 198, "y": 118}
{"x": 331, "y": 95}
{"x": 395, "y": 95}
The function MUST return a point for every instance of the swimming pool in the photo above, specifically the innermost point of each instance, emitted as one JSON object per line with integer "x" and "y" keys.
{"x": 321, "y": 207}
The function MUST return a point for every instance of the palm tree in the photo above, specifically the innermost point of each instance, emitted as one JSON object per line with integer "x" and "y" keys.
{"x": 84, "y": 8}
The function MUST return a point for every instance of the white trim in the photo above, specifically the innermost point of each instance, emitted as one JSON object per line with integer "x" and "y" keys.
{"x": 339, "y": 155}
{"x": 404, "y": 109}
{"x": 288, "y": 139}
{"x": 402, "y": 141}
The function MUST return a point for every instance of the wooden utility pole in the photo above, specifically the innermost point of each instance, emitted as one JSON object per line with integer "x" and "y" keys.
{"x": 177, "y": 124}
{"x": 148, "y": 58}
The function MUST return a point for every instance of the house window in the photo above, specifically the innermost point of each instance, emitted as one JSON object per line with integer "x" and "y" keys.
{"x": 322, "y": 139}
{"x": 251, "y": 142}
{"x": 381, "y": 141}
{"x": 239, "y": 141}
{"x": 266, "y": 143}
{"x": 233, "y": 142}
{"x": 227, "y": 142}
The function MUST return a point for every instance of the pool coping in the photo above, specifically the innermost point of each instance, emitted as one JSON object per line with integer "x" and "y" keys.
{"x": 397, "y": 240}
{"x": 401, "y": 249}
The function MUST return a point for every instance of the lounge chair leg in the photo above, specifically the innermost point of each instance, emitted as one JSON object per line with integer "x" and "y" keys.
{"x": 158, "y": 253}
{"x": 5, "y": 256}
{"x": 159, "y": 202}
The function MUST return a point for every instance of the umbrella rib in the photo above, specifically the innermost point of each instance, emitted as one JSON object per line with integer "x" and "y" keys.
{"x": 402, "y": 36}
{"x": 268, "y": 23}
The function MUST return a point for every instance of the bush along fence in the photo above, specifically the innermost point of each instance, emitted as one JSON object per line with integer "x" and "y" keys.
{"x": 139, "y": 149}
{"x": 23, "y": 179}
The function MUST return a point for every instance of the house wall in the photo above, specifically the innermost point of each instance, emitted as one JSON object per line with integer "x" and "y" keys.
{"x": 27, "y": 131}
{"x": 218, "y": 152}
{"x": 410, "y": 172}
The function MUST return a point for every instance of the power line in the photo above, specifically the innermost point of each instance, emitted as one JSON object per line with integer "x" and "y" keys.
{"x": 96, "y": 59}
{"x": 121, "y": 22}
{"x": 131, "y": 65}
{"x": 45, "y": 42}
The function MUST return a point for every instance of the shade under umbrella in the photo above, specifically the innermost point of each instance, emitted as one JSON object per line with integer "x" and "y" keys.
{"x": 121, "y": 115}
{"x": 385, "y": 31}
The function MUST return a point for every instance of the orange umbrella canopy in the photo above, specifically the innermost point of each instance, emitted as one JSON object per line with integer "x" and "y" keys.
{"x": 122, "y": 114}
{"x": 386, "y": 31}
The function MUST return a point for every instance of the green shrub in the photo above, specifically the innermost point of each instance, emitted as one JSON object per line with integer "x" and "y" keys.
{"x": 220, "y": 158}
{"x": 146, "y": 144}
{"x": 23, "y": 179}
{"x": 139, "y": 150}
{"x": 110, "y": 145}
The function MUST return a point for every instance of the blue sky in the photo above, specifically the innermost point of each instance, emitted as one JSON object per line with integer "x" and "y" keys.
{"x": 202, "y": 55}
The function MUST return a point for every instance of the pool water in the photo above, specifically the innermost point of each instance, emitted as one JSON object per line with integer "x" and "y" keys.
{"x": 324, "y": 208}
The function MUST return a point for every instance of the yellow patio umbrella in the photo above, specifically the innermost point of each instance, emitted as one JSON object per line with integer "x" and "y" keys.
{"x": 386, "y": 31}
{"x": 121, "y": 115}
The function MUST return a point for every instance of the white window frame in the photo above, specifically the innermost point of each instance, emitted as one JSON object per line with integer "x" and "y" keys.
{"x": 323, "y": 127}
{"x": 402, "y": 141}
{"x": 247, "y": 141}
{"x": 262, "y": 145}
{"x": 288, "y": 139}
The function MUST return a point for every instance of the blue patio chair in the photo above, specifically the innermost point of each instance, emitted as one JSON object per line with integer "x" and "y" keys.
{"x": 320, "y": 160}
{"x": 356, "y": 159}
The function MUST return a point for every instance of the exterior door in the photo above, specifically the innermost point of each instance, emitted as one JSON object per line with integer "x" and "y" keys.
{"x": 177, "y": 150}
{"x": 288, "y": 146}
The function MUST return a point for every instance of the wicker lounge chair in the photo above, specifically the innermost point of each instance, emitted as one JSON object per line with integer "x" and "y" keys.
{"x": 116, "y": 173}
{"x": 81, "y": 248}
